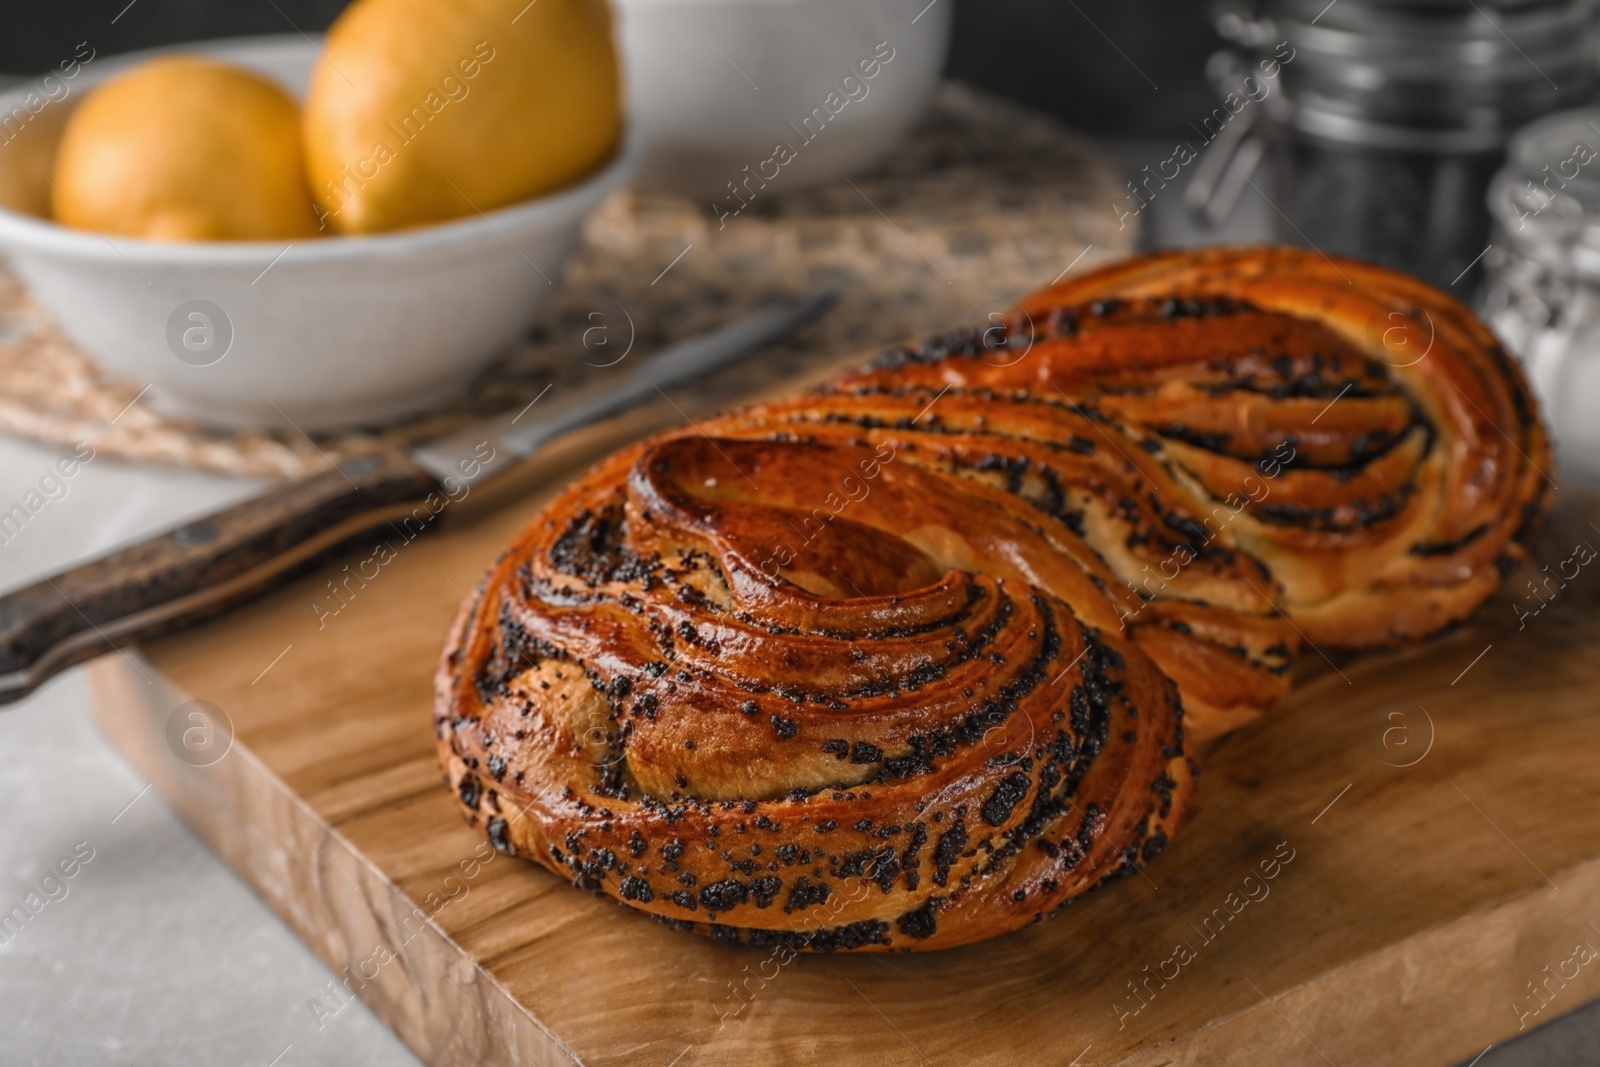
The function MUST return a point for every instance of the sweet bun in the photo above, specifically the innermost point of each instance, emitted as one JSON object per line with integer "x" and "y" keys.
{"x": 913, "y": 659}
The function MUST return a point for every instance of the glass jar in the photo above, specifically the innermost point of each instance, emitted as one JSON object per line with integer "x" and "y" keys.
{"x": 1394, "y": 116}
{"x": 1542, "y": 295}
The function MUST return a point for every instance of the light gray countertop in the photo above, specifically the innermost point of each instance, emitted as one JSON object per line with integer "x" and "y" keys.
{"x": 157, "y": 953}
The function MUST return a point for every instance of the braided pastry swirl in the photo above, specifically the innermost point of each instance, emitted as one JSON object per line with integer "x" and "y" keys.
{"x": 914, "y": 659}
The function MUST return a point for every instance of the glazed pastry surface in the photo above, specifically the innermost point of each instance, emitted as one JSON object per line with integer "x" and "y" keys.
{"x": 915, "y": 658}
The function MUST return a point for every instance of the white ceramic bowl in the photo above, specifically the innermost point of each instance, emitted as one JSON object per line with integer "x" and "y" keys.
{"x": 715, "y": 85}
{"x": 318, "y": 333}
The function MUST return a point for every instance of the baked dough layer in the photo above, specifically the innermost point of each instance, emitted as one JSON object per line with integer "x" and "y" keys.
{"x": 915, "y": 658}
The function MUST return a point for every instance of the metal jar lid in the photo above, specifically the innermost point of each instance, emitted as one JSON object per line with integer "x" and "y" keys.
{"x": 1428, "y": 76}
{"x": 1546, "y": 199}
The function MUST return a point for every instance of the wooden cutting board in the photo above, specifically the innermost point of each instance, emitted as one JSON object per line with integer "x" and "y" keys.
{"x": 1397, "y": 865}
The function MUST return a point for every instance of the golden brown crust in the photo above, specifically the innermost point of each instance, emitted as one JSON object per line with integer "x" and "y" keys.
{"x": 897, "y": 664}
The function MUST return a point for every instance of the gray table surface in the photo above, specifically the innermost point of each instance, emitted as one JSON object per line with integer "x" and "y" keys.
{"x": 158, "y": 954}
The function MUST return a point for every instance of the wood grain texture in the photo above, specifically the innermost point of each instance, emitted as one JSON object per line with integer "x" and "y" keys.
{"x": 1419, "y": 903}
{"x": 205, "y": 566}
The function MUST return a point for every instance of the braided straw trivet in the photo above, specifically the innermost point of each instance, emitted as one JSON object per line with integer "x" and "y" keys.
{"x": 982, "y": 203}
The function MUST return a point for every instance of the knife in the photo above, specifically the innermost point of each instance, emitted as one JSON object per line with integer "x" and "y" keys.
{"x": 179, "y": 577}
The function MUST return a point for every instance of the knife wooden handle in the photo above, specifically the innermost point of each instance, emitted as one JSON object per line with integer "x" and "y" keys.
{"x": 179, "y": 577}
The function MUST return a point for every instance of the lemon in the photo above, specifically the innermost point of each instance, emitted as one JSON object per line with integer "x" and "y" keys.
{"x": 420, "y": 111}
{"x": 184, "y": 148}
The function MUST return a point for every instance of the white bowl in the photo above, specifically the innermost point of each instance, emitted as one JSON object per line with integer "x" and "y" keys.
{"x": 316, "y": 333}
{"x": 716, "y": 85}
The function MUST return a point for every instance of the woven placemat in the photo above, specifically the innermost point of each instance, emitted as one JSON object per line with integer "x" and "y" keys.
{"x": 984, "y": 202}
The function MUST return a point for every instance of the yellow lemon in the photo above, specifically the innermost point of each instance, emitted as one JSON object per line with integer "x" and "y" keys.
{"x": 420, "y": 111}
{"x": 183, "y": 148}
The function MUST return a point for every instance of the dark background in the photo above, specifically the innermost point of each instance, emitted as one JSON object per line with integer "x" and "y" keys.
{"x": 1054, "y": 55}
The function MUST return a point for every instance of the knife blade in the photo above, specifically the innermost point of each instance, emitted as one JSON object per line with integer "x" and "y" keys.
{"x": 184, "y": 575}
{"x": 460, "y": 456}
